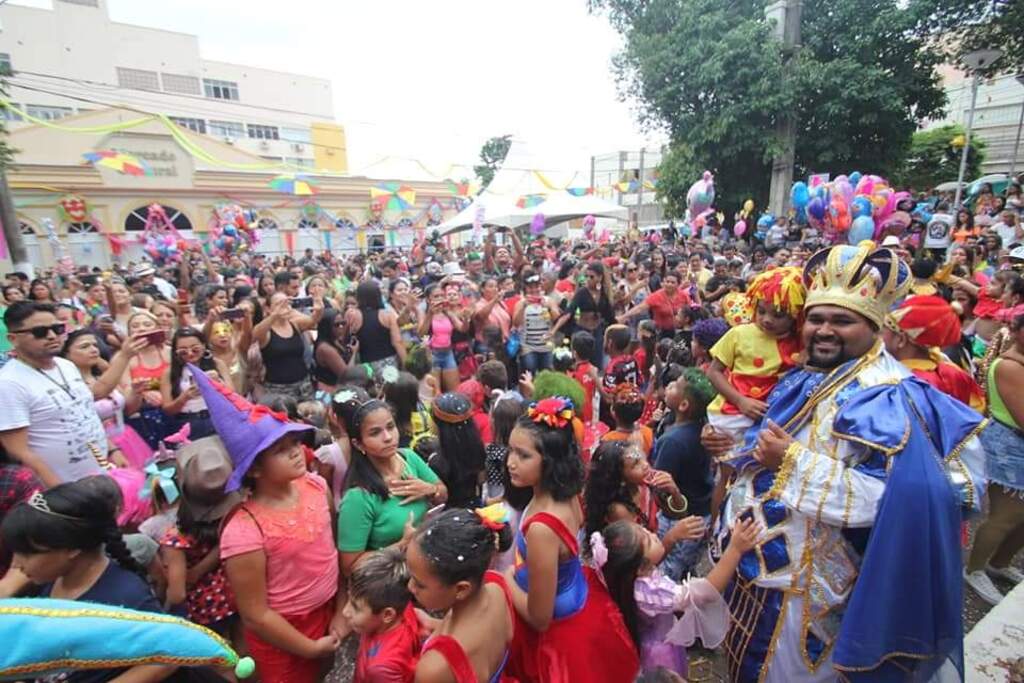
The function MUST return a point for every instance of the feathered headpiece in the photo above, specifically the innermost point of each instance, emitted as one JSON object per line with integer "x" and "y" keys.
{"x": 556, "y": 411}
{"x": 783, "y": 288}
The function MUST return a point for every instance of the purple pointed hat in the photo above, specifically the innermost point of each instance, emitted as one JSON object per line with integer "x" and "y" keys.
{"x": 246, "y": 429}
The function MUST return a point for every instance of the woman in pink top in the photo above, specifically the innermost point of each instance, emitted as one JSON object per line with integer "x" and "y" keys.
{"x": 490, "y": 312}
{"x": 441, "y": 320}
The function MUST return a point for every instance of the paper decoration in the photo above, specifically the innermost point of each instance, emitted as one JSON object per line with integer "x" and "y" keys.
{"x": 125, "y": 164}
{"x": 294, "y": 184}
{"x": 462, "y": 188}
{"x": 580, "y": 191}
{"x": 393, "y": 196}
{"x": 528, "y": 201}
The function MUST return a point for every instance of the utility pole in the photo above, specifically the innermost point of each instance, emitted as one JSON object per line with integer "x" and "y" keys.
{"x": 15, "y": 244}
{"x": 640, "y": 190}
{"x": 786, "y": 17}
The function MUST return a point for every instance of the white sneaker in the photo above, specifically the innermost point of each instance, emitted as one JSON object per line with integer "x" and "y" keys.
{"x": 983, "y": 586}
{"x": 1010, "y": 573}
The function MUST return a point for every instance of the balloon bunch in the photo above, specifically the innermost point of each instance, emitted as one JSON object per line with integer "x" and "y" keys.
{"x": 857, "y": 205}
{"x": 740, "y": 227}
{"x": 701, "y": 194}
{"x": 160, "y": 239}
{"x": 231, "y": 230}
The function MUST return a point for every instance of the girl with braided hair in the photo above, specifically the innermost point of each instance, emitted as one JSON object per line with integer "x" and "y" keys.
{"x": 64, "y": 539}
{"x": 571, "y": 630}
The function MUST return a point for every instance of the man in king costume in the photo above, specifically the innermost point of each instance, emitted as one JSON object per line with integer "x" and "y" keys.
{"x": 860, "y": 473}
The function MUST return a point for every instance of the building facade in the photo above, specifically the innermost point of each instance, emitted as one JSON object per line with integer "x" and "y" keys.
{"x": 212, "y": 133}
{"x": 632, "y": 176}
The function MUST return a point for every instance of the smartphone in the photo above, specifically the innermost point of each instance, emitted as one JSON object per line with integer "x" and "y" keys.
{"x": 232, "y": 314}
{"x": 106, "y": 318}
{"x": 302, "y": 302}
{"x": 155, "y": 338}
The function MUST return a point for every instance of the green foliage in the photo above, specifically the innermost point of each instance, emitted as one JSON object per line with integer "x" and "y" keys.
{"x": 712, "y": 75}
{"x": 6, "y": 152}
{"x": 991, "y": 24}
{"x": 492, "y": 154}
{"x": 934, "y": 158}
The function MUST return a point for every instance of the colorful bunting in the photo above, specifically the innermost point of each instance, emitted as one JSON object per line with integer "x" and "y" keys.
{"x": 125, "y": 164}
{"x": 528, "y": 201}
{"x": 293, "y": 183}
{"x": 393, "y": 196}
{"x": 580, "y": 191}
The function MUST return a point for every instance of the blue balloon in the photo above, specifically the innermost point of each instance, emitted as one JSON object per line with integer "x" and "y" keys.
{"x": 817, "y": 207}
{"x": 855, "y": 178}
{"x": 799, "y": 195}
{"x": 800, "y": 215}
{"x": 765, "y": 221}
{"x": 861, "y": 206}
{"x": 923, "y": 211}
{"x": 863, "y": 228}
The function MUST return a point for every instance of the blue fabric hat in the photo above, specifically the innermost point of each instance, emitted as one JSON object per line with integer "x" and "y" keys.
{"x": 246, "y": 429}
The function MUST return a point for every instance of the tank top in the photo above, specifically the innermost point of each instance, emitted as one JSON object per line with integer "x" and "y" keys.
{"x": 995, "y": 402}
{"x": 284, "y": 358}
{"x": 441, "y": 329}
{"x": 139, "y": 371}
{"x": 374, "y": 338}
{"x": 536, "y": 324}
{"x": 323, "y": 373}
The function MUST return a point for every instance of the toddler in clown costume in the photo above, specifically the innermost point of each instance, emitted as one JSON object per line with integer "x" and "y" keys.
{"x": 751, "y": 357}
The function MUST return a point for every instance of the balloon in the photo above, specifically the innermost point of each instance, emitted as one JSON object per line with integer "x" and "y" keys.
{"x": 765, "y": 221}
{"x": 865, "y": 186}
{"x": 748, "y": 207}
{"x": 839, "y": 214}
{"x": 860, "y": 206}
{"x": 863, "y": 228}
{"x": 799, "y": 195}
{"x": 701, "y": 194}
{"x": 537, "y": 224}
{"x": 923, "y": 211}
{"x": 855, "y": 178}
{"x": 740, "y": 228}
{"x": 816, "y": 208}
{"x": 843, "y": 188}
{"x": 230, "y": 229}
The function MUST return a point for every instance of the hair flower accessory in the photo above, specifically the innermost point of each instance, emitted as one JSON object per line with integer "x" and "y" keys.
{"x": 389, "y": 374}
{"x": 555, "y": 411}
{"x": 494, "y": 517}
{"x": 344, "y": 396}
{"x": 598, "y": 550}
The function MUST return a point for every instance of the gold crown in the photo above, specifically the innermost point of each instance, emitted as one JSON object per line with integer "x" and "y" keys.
{"x": 860, "y": 278}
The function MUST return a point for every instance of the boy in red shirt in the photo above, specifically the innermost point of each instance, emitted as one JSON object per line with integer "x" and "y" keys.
{"x": 621, "y": 368}
{"x": 380, "y": 610}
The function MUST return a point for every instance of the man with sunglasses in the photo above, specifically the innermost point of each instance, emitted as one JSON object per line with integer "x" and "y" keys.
{"x": 47, "y": 418}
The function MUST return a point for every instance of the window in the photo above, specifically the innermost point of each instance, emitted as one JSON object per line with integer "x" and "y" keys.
{"x": 5, "y": 63}
{"x": 81, "y": 228}
{"x": 344, "y": 224}
{"x": 9, "y": 114}
{"x": 136, "y": 220}
{"x": 261, "y": 132}
{"x": 299, "y": 135}
{"x": 306, "y": 224}
{"x": 48, "y": 113}
{"x": 301, "y": 163}
{"x": 25, "y": 229}
{"x": 194, "y": 125}
{"x": 137, "y": 79}
{"x": 227, "y": 129}
{"x": 186, "y": 85}
{"x": 220, "y": 90}
{"x": 266, "y": 224}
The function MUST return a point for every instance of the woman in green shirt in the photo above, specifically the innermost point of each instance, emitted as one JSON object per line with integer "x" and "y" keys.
{"x": 387, "y": 490}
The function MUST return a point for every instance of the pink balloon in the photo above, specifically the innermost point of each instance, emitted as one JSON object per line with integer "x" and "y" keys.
{"x": 740, "y": 228}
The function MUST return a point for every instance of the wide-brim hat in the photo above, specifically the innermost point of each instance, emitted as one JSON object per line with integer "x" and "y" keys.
{"x": 245, "y": 429}
{"x": 204, "y": 468}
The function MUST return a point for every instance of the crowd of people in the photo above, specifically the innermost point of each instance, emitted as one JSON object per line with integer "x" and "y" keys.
{"x": 568, "y": 461}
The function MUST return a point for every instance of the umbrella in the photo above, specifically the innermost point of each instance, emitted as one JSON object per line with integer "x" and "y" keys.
{"x": 119, "y": 161}
{"x": 291, "y": 183}
{"x": 528, "y": 201}
{"x": 393, "y": 196}
{"x": 947, "y": 187}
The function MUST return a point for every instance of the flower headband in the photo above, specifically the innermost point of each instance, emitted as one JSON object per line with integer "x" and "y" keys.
{"x": 555, "y": 411}
{"x": 494, "y": 517}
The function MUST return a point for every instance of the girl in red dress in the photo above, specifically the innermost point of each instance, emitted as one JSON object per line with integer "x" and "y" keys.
{"x": 448, "y": 561}
{"x": 570, "y": 628}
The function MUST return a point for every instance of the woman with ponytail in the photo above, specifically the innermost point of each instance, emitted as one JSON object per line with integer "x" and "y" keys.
{"x": 66, "y": 540}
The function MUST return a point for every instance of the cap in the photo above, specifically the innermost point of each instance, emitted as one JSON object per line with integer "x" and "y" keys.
{"x": 891, "y": 241}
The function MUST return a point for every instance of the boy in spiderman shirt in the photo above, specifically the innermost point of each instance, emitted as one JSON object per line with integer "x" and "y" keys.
{"x": 621, "y": 368}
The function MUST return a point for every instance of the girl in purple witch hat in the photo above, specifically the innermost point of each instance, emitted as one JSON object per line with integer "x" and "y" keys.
{"x": 278, "y": 547}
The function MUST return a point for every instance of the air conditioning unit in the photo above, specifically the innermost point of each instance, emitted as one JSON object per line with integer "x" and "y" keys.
{"x": 264, "y": 144}
{"x": 296, "y": 147}
{"x": 228, "y": 140}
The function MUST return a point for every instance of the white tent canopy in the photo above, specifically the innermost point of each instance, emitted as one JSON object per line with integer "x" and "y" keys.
{"x": 515, "y": 179}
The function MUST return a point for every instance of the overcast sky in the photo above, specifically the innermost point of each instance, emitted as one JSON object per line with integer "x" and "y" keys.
{"x": 429, "y": 79}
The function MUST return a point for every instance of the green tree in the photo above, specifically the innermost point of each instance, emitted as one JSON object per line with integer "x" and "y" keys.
{"x": 711, "y": 74}
{"x": 995, "y": 24}
{"x": 492, "y": 154}
{"x": 934, "y": 158}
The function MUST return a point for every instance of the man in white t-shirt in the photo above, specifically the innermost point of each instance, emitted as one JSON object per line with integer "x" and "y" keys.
{"x": 939, "y": 232}
{"x": 1008, "y": 228}
{"x": 47, "y": 418}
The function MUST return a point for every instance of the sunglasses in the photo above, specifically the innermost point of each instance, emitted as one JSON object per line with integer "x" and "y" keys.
{"x": 630, "y": 270}
{"x": 41, "y": 331}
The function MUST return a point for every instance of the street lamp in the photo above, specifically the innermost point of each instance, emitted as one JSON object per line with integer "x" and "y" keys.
{"x": 975, "y": 61}
{"x": 1020, "y": 124}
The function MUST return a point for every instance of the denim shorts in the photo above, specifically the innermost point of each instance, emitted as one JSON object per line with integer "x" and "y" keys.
{"x": 1004, "y": 456}
{"x": 443, "y": 360}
